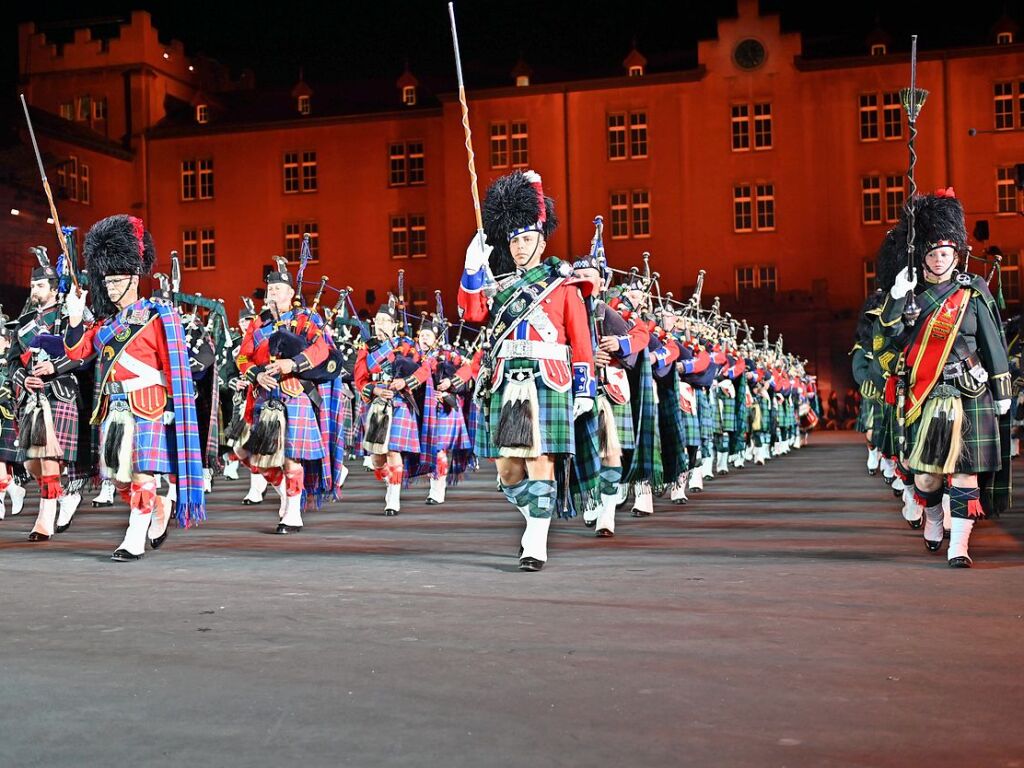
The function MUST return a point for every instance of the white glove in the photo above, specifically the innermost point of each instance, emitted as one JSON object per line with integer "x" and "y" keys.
{"x": 477, "y": 253}
{"x": 74, "y": 302}
{"x": 1003, "y": 406}
{"x": 904, "y": 283}
{"x": 581, "y": 404}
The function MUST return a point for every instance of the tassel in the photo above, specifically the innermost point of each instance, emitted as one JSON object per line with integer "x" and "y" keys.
{"x": 939, "y": 440}
{"x": 235, "y": 429}
{"x": 378, "y": 427}
{"x": 518, "y": 433}
{"x": 118, "y": 444}
{"x": 608, "y": 433}
{"x": 266, "y": 441}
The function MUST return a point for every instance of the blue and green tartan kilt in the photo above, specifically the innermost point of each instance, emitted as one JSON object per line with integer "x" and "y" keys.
{"x": 691, "y": 428}
{"x": 790, "y": 414}
{"x": 706, "y": 417}
{"x": 725, "y": 414}
{"x": 155, "y": 448}
{"x": 623, "y": 418}
{"x": 981, "y": 447}
{"x": 8, "y": 438}
{"x": 870, "y": 414}
{"x": 303, "y": 441}
{"x": 450, "y": 432}
{"x": 65, "y": 427}
{"x": 555, "y": 414}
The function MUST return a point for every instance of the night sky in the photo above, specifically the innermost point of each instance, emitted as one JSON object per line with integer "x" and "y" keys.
{"x": 352, "y": 40}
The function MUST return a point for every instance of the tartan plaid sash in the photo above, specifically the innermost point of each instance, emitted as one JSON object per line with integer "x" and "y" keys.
{"x": 945, "y": 310}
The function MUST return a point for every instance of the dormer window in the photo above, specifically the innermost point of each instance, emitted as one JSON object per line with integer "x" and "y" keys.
{"x": 304, "y": 105}
{"x": 522, "y": 81}
{"x": 202, "y": 113}
{"x": 636, "y": 71}
{"x": 879, "y": 49}
{"x": 409, "y": 95}
{"x": 1004, "y": 38}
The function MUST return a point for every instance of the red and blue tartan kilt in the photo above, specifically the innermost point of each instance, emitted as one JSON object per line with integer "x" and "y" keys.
{"x": 154, "y": 448}
{"x": 302, "y": 433}
{"x": 555, "y": 414}
{"x": 8, "y": 439}
{"x": 359, "y": 409}
{"x": 623, "y": 414}
{"x": 450, "y": 433}
{"x": 65, "y": 427}
{"x": 405, "y": 433}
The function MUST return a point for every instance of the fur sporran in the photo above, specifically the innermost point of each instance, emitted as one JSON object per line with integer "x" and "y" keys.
{"x": 378, "y": 426}
{"x": 518, "y": 433}
{"x": 37, "y": 432}
{"x": 267, "y": 437}
{"x": 118, "y": 444}
{"x": 939, "y": 440}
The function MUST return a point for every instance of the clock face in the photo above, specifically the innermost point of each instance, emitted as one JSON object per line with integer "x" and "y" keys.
{"x": 748, "y": 54}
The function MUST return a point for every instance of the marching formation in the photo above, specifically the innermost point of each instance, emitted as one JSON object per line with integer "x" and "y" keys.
{"x": 584, "y": 385}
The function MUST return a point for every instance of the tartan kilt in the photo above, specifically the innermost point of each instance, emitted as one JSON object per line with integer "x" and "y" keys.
{"x": 450, "y": 433}
{"x": 65, "y": 427}
{"x": 981, "y": 446}
{"x": 303, "y": 441}
{"x": 884, "y": 434}
{"x": 359, "y": 409}
{"x": 706, "y": 416}
{"x": 725, "y": 414}
{"x": 8, "y": 440}
{"x": 556, "y": 422}
{"x": 691, "y": 428}
{"x": 405, "y": 433}
{"x": 870, "y": 415}
{"x": 155, "y": 449}
{"x": 475, "y": 422}
{"x": 623, "y": 418}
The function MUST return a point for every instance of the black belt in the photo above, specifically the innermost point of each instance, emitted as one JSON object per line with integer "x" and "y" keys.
{"x": 955, "y": 370}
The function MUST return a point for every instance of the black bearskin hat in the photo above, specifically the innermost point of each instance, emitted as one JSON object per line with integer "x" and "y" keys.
{"x": 513, "y": 205}
{"x": 938, "y": 220}
{"x": 116, "y": 245}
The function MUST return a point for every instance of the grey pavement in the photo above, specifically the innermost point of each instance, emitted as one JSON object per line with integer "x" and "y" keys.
{"x": 785, "y": 617}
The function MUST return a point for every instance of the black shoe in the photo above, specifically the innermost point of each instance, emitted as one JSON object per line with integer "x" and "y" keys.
{"x": 282, "y": 528}
{"x": 960, "y": 562}
{"x": 641, "y": 513}
{"x": 915, "y": 524}
{"x": 36, "y": 536}
{"x": 62, "y": 528}
{"x": 604, "y": 533}
{"x": 897, "y": 494}
{"x": 872, "y": 472}
{"x": 680, "y": 502}
{"x": 247, "y": 501}
{"x": 590, "y": 523}
{"x": 432, "y": 502}
{"x": 390, "y": 512}
{"x": 124, "y": 556}
{"x": 103, "y": 503}
{"x": 530, "y": 564}
{"x": 159, "y": 540}
{"x": 933, "y": 546}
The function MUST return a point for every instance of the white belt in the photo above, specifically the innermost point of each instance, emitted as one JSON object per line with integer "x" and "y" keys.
{"x": 533, "y": 350}
{"x": 145, "y": 375}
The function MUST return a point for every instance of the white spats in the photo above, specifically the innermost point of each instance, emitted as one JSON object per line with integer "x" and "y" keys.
{"x": 643, "y": 500}
{"x": 368, "y": 463}
{"x": 106, "y": 495}
{"x": 959, "y": 536}
{"x": 722, "y": 464}
{"x": 898, "y": 485}
{"x": 292, "y": 511}
{"x": 679, "y": 490}
{"x": 623, "y": 494}
{"x": 760, "y": 455}
{"x": 535, "y": 538}
{"x": 605, "y": 525}
{"x": 438, "y": 486}
{"x": 946, "y": 516}
{"x": 67, "y": 506}
{"x": 207, "y": 479}
{"x": 172, "y": 492}
{"x": 135, "y": 537}
{"x": 888, "y": 468}
{"x": 231, "y": 470}
{"x": 933, "y": 524}
{"x": 343, "y": 476}
{"x": 707, "y": 468}
{"x": 874, "y": 459}
{"x": 16, "y": 492}
{"x": 46, "y": 517}
{"x": 160, "y": 518}
{"x": 257, "y": 487}
{"x": 393, "y": 497}
{"x": 697, "y": 479}
{"x": 912, "y": 511}
{"x": 282, "y": 493}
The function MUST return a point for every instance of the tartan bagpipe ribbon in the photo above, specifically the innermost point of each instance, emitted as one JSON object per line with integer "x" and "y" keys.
{"x": 934, "y": 341}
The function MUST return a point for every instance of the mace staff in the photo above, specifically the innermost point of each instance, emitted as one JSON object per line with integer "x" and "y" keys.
{"x": 913, "y": 99}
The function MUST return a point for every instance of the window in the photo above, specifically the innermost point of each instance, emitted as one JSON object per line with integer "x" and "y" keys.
{"x": 763, "y": 126}
{"x": 499, "y": 145}
{"x": 72, "y": 187}
{"x": 419, "y": 300}
{"x": 309, "y": 171}
{"x": 67, "y": 110}
{"x": 202, "y": 113}
{"x": 871, "y": 200}
{"x": 638, "y": 134}
{"x": 84, "y": 108}
{"x": 641, "y": 213}
{"x": 99, "y": 109}
{"x": 293, "y": 232}
{"x": 409, "y": 95}
{"x": 893, "y": 197}
{"x": 870, "y": 282}
{"x": 620, "y": 215}
{"x": 189, "y": 249}
{"x": 406, "y": 163}
{"x": 617, "y": 136}
{"x": 1004, "y": 106}
{"x": 188, "y": 179}
{"x": 206, "y": 179}
{"x": 868, "y": 117}
{"x": 759, "y": 278}
{"x": 409, "y": 236}
{"x": 636, "y": 71}
{"x": 1004, "y": 38}
{"x": 1009, "y": 271}
{"x": 878, "y": 49}
{"x": 1006, "y": 191}
{"x": 522, "y": 81}
{"x": 305, "y": 106}
{"x": 84, "y": 194}
{"x": 520, "y": 145}
{"x": 631, "y": 214}
{"x": 742, "y": 206}
{"x": 740, "y": 127}
{"x": 291, "y": 172}
{"x": 207, "y": 249}
{"x": 766, "y": 207}
{"x": 892, "y": 115}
